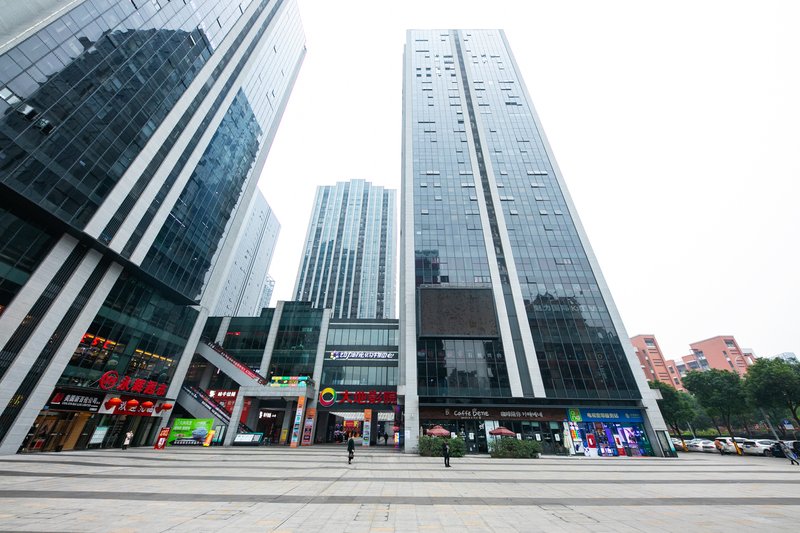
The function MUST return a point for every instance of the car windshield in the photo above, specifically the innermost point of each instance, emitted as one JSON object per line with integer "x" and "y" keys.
{"x": 765, "y": 442}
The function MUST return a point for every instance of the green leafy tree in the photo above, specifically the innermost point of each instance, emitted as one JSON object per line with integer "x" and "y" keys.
{"x": 774, "y": 384}
{"x": 720, "y": 392}
{"x": 676, "y": 407}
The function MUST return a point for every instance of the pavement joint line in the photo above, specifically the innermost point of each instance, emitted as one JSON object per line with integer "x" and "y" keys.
{"x": 552, "y": 481}
{"x": 412, "y": 500}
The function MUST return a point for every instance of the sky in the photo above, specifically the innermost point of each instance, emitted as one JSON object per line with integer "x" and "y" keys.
{"x": 676, "y": 126}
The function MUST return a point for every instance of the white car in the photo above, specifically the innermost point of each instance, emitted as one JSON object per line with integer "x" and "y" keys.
{"x": 699, "y": 445}
{"x": 758, "y": 447}
{"x": 708, "y": 446}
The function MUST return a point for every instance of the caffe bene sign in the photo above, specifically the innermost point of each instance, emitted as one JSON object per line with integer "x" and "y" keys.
{"x": 492, "y": 413}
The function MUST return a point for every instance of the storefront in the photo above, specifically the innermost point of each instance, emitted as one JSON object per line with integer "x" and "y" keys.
{"x": 473, "y": 424}
{"x": 602, "y": 432}
{"x": 76, "y": 419}
{"x": 367, "y": 415}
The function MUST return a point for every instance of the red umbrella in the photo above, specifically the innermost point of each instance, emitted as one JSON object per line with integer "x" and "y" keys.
{"x": 503, "y": 432}
{"x": 438, "y": 431}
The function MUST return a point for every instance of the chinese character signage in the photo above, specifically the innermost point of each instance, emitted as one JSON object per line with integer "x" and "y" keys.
{"x": 601, "y": 414}
{"x": 308, "y": 427}
{"x": 298, "y": 419}
{"x": 111, "y": 380}
{"x": 75, "y": 401}
{"x": 161, "y": 441}
{"x": 366, "y": 432}
{"x": 328, "y": 396}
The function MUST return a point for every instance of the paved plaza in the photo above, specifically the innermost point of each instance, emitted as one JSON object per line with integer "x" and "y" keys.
{"x": 314, "y": 489}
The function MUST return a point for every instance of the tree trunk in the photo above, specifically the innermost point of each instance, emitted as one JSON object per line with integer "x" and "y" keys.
{"x": 735, "y": 444}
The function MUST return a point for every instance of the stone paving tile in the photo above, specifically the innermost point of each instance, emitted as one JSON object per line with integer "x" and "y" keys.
{"x": 314, "y": 490}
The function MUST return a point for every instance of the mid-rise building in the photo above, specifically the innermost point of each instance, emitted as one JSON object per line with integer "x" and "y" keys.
{"x": 505, "y": 316}
{"x": 132, "y": 135}
{"x": 721, "y": 352}
{"x": 248, "y": 279}
{"x": 348, "y": 262}
{"x": 653, "y": 363}
{"x": 789, "y": 357}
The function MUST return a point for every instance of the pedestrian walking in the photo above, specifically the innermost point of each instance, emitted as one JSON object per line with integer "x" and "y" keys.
{"x": 720, "y": 447}
{"x": 446, "y": 453}
{"x": 790, "y": 454}
{"x": 127, "y": 441}
{"x": 351, "y": 449}
{"x": 385, "y": 438}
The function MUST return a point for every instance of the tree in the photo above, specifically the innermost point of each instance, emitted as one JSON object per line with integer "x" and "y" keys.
{"x": 774, "y": 384}
{"x": 720, "y": 392}
{"x": 675, "y": 406}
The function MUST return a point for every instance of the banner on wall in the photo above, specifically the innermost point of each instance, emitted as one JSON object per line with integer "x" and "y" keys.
{"x": 298, "y": 420}
{"x": 365, "y": 434}
{"x": 190, "y": 431}
{"x": 308, "y": 427}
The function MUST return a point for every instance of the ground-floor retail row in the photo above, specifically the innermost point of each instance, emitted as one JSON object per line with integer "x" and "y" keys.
{"x": 604, "y": 431}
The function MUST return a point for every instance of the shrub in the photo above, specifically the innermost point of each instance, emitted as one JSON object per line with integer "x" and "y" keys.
{"x": 514, "y": 448}
{"x": 433, "y": 446}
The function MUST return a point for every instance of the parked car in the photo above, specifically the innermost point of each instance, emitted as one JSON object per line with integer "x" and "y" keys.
{"x": 708, "y": 446}
{"x": 727, "y": 444}
{"x": 777, "y": 451}
{"x": 700, "y": 445}
{"x": 758, "y": 447}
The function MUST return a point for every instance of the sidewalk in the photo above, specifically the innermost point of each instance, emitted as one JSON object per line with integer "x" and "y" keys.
{"x": 314, "y": 489}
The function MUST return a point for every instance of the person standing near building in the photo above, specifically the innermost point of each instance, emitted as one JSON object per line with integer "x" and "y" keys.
{"x": 128, "y": 438}
{"x": 720, "y": 447}
{"x": 790, "y": 454}
{"x": 446, "y": 453}
{"x": 351, "y": 448}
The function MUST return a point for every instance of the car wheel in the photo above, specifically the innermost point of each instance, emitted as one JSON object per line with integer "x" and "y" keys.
{"x": 767, "y": 453}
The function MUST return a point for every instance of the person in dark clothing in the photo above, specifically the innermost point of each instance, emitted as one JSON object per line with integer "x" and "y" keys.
{"x": 789, "y": 453}
{"x": 385, "y": 438}
{"x": 351, "y": 449}
{"x": 446, "y": 453}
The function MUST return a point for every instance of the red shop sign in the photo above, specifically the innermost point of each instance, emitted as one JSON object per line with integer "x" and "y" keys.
{"x": 111, "y": 381}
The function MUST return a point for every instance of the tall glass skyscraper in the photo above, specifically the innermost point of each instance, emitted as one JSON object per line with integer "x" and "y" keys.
{"x": 248, "y": 284}
{"x": 348, "y": 262}
{"x": 505, "y": 316}
{"x": 132, "y": 134}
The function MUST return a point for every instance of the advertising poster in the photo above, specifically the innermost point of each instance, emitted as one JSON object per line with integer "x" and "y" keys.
{"x": 98, "y": 435}
{"x": 298, "y": 419}
{"x": 308, "y": 427}
{"x": 161, "y": 441}
{"x": 189, "y": 431}
{"x": 365, "y": 434}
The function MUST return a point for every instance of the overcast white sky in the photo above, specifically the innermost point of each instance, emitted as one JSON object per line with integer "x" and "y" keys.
{"x": 676, "y": 126}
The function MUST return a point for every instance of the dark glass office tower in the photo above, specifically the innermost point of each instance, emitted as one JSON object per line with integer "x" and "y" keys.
{"x": 349, "y": 258}
{"x": 132, "y": 135}
{"x": 505, "y": 316}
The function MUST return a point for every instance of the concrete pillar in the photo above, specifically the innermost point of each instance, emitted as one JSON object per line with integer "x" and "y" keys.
{"x": 288, "y": 420}
{"x": 271, "y": 336}
{"x": 233, "y": 427}
{"x": 219, "y": 338}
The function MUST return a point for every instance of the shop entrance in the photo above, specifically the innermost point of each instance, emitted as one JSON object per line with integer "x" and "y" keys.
{"x": 341, "y": 423}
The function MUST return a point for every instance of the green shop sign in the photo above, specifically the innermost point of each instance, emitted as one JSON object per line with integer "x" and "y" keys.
{"x": 189, "y": 431}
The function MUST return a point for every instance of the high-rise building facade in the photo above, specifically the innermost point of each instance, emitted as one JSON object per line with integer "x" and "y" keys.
{"x": 132, "y": 135}
{"x": 248, "y": 279}
{"x": 653, "y": 363}
{"x": 505, "y": 316}
{"x": 348, "y": 262}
